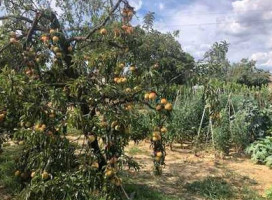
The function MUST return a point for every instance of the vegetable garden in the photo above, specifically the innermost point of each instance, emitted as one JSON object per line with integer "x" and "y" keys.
{"x": 78, "y": 87}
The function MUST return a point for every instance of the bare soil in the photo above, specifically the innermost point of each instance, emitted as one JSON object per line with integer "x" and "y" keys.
{"x": 183, "y": 167}
{"x": 3, "y": 194}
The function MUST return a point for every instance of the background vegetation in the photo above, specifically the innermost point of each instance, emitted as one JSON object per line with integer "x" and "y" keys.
{"x": 88, "y": 70}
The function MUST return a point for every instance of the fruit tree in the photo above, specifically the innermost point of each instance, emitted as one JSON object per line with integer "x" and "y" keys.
{"x": 81, "y": 67}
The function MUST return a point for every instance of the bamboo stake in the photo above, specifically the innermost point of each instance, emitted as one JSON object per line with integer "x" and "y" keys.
{"x": 125, "y": 192}
{"x": 201, "y": 122}
{"x": 210, "y": 120}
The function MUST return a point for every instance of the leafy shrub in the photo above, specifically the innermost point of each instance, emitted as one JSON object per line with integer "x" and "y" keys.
{"x": 261, "y": 151}
{"x": 186, "y": 116}
{"x": 8, "y": 167}
{"x": 259, "y": 119}
{"x": 269, "y": 193}
{"x": 222, "y": 133}
{"x": 239, "y": 129}
{"x": 62, "y": 186}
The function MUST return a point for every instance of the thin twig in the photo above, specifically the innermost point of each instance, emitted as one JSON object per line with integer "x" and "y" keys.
{"x": 106, "y": 20}
{"x": 5, "y": 47}
{"x": 31, "y": 30}
{"x": 16, "y": 17}
{"x": 9, "y": 44}
{"x": 98, "y": 26}
{"x": 125, "y": 192}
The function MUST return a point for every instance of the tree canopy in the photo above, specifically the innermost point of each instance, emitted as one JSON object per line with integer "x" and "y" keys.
{"x": 86, "y": 68}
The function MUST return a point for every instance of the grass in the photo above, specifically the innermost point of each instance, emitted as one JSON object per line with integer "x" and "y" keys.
{"x": 248, "y": 194}
{"x": 135, "y": 150}
{"x": 7, "y": 169}
{"x": 143, "y": 192}
{"x": 230, "y": 186}
{"x": 212, "y": 188}
{"x": 73, "y": 131}
{"x": 269, "y": 193}
{"x": 219, "y": 188}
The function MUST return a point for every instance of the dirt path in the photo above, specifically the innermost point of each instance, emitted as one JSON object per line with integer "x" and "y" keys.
{"x": 260, "y": 173}
{"x": 183, "y": 167}
{"x": 3, "y": 194}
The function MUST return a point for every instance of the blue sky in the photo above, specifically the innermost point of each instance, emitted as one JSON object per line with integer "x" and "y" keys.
{"x": 245, "y": 24}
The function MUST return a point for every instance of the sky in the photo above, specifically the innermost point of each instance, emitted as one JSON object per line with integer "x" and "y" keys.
{"x": 245, "y": 24}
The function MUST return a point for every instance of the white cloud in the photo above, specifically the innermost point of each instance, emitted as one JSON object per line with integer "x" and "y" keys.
{"x": 56, "y": 8}
{"x": 264, "y": 59}
{"x": 161, "y": 6}
{"x": 194, "y": 39}
{"x": 245, "y": 24}
{"x": 255, "y": 28}
{"x": 137, "y": 4}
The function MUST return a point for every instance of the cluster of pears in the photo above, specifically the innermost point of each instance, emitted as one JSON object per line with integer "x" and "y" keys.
{"x": 25, "y": 124}
{"x": 119, "y": 68}
{"x": 115, "y": 125}
{"x": 127, "y": 29}
{"x": 111, "y": 171}
{"x": 39, "y": 127}
{"x": 24, "y": 175}
{"x": 13, "y": 38}
{"x": 164, "y": 104}
{"x": 156, "y": 135}
{"x": 120, "y": 80}
{"x": 91, "y": 138}
{"x": 129, "y": 106}
{"x": 2, "y": 115}
{"x": 31, "y": 57}
{"x": 150, "y": 96}
{"x": 127, "y": 15}
{"x": 158, "y": 156}
{"x": 116, "y": 31}
{"x": 54, "y": 38}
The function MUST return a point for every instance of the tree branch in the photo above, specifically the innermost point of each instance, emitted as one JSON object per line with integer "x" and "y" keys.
{"x": 105, "y": 20}
{"x": 114, "y": 8}
{"x": 9, "y": 44}
{"x": 32, "y": 29}
{"x": 16, "y": 17}
{"x": 5, "y": 47}
{"x": 79, "y": 38}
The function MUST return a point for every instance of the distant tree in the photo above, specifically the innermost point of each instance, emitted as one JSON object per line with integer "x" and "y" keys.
{"x": 245, "y": 72}
{"x": 214, "y": 63}
{"x": 149, "y": 21}
{"x": 175, "y": 65}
